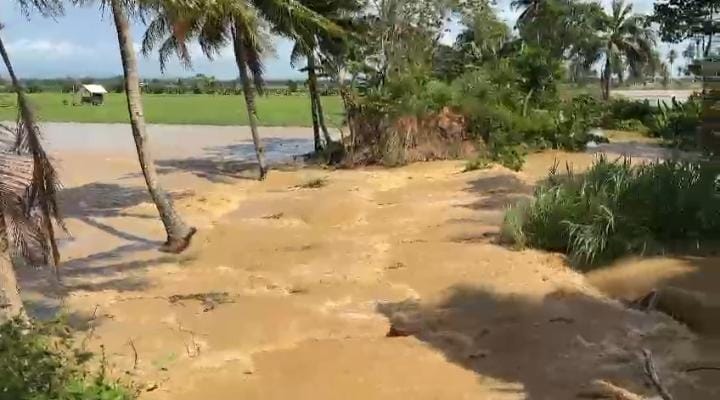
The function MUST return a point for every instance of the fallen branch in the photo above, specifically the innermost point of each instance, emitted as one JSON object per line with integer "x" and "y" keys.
{"x": 651, "y": 373}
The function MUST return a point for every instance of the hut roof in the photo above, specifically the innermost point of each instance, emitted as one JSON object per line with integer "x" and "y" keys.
{"x": 95, "y": 89}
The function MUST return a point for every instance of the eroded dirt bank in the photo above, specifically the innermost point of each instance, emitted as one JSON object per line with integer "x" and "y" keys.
{"x": 290, "y": 292}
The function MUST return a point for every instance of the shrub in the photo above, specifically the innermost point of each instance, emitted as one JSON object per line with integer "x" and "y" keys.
{"x": 38, "y": 362}
{"x": 632, "y": 125}
{"x": 512, "y": 157}
{"x": 617, "y": 208}
{"x": 619, "y": 109}
{"x": 292, "y": 86}
{"x": 477, "y": 163}
{"x": 512, "y": 231}
{"x": 314, "y": 183}
{"x": 677, "y": 123}
{"x": 573, "y": 123}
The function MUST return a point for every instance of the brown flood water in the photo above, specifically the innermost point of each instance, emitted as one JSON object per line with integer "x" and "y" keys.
{"x": 290, "y": 293}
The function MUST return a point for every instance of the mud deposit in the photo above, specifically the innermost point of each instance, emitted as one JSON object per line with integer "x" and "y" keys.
{"x": 379, "y": 284}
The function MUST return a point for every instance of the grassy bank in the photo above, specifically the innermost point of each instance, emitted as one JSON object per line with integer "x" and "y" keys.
{"x": 179, "y": 109}
{"x": 617, "y": 208}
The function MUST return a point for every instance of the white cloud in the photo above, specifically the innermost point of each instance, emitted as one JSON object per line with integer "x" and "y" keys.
{"x": 47, "y": 49}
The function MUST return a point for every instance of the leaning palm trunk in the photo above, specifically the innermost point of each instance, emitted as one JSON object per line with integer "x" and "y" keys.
{"x": 249, "y": 93}
{"x": 11, "y": 305}
{"x": 315, "y": 98}
{"x": 178, "y": 232}
{"x": 314, "y": 114}
{"x": 44, "y": 179}
{"x": 605, "y": 81}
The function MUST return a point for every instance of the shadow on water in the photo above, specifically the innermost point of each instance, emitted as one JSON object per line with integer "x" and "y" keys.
{"x": 112, "y": 269}
{"x": 549, "y": 348}
{"x": 238, "y": 161}
{"x": 105, "y": 200}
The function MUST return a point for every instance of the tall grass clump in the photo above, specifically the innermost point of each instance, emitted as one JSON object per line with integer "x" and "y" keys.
{"x": 616, "y": 208}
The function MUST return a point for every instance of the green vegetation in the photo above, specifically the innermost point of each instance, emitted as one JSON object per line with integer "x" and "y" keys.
{"x": 314, "y": 183}
{"x": 617, "y": 208}
{"x": 477, "y": 163}
{"x": 39, "y": 362}
{"x": 273, "y": 110}
{"x": 677, "y": 123}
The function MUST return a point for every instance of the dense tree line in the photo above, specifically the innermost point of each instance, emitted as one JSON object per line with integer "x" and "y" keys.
{"x": 198, "y": 84}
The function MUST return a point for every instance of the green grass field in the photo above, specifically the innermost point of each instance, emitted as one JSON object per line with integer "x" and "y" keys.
{"x": 180, "y": 109}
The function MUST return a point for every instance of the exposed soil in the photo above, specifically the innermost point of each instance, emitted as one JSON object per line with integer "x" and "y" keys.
{"x": 378, "y": 284}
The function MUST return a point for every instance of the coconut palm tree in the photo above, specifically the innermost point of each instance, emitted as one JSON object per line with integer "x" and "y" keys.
{"x": 28, "y": 188}
{"x": 214, "y": 24}
{"x": 671, "y": 57}
{"x": 625, "y": 36}
{"x": 530, "y": 9}
{"x": 178, "y": 232}
{"x": 314, "y": 47}
{"x": 318, "y": 117}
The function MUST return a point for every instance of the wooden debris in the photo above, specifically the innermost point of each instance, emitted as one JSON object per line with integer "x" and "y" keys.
{"x": 651, "y": 373}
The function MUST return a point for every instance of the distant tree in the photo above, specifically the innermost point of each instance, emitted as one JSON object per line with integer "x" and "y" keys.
{"x": 665, "y": 75}
{"x": 671, "y": 57}
{"x": 680, "y": 20}
{"x": 117, "y": 88}
{"x": 650, "y": 69}
{"x": 690, "y": 52}
{"x": 483, "y": 40}
{"x": 292, "y": 86}
{"x": 34, "y": 88}
{"x": 625, "y": 36}
{"x": 574, "y": 27}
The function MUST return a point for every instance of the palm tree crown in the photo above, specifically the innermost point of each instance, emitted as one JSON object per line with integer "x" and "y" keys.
{"x": 627, "y": 37}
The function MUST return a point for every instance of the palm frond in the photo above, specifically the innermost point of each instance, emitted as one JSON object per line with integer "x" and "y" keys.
{"x": 44, "y": 186}
{"x": 296, "y": 54}
{"x": 156, "y": 31}
{"x": 293, "y": 19}
{"x": 46, "y": 8}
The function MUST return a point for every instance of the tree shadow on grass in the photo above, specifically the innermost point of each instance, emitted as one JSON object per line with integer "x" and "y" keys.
{"x": 548, "y": 348}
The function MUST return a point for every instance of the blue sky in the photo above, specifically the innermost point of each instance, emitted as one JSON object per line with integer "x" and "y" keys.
{"x": 84, "y": 43}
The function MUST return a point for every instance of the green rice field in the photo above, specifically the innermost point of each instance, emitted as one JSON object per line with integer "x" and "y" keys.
{"x": 193, "y": 109}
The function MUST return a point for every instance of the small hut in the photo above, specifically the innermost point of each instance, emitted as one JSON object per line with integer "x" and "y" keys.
{"x": 92, "y": 94}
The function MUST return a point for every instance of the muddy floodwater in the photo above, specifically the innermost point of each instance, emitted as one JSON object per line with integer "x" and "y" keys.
{"x": 378, "y": 284}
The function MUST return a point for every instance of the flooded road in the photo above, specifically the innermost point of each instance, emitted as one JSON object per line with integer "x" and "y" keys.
{"x": 376, "y": 284}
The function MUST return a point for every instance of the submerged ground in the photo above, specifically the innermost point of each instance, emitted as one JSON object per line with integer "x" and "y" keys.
{"x": 380, "y": 284}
